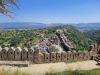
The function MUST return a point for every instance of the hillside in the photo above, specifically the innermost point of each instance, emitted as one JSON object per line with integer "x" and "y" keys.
{"x": 93, "y": 34}
{"x": 87, "y": 26}
{"x": 75, "y": 36}
{"x": 29, "y": 38}
{"x": 78, "y": 38}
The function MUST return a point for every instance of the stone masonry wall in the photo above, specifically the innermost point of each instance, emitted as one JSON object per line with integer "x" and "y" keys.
{"x": 25, "y": 54}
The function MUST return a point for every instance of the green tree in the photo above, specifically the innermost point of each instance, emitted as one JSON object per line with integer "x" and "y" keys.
{"x": 5, "y": 4}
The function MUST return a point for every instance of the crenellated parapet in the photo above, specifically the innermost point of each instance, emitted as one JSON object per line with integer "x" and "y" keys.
{"x": 34, "y": 55}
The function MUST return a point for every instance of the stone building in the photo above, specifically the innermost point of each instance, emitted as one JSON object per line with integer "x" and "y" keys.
{"x": 24, "y": 54}
{"x": 11, "y": 53}
{"x": 18, "y": 54}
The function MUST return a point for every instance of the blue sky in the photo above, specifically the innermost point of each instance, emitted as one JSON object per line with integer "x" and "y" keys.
{"x": 56, "y": 11}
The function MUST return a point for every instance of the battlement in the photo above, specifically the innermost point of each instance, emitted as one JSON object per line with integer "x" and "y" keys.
{"x": 31, "y": 54}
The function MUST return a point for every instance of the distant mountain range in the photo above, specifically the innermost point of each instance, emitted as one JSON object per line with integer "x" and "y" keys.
{"x": 24, "y": 25}
{"x": 30, "y": 25}
{"x": 88, "y": 26}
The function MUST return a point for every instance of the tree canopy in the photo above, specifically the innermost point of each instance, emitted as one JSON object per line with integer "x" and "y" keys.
{"x": 5, "y": 5}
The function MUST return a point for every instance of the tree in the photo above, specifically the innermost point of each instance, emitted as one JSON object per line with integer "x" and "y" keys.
{"x": 4, "y": 4}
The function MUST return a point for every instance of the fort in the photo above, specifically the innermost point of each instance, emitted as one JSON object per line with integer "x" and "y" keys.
{"x": 34, "y": 55}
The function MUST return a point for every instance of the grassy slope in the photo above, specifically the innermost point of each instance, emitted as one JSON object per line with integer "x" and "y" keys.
{"x": 77, "y": 72}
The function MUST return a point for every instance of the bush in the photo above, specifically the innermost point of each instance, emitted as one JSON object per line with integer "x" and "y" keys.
{"x": 77, "y": 72}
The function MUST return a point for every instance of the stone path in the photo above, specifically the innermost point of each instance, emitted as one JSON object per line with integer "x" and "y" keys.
{"x": 41, "y": 69}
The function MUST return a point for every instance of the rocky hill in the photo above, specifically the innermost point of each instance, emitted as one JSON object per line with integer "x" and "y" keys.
{"x": 30, "y": 38}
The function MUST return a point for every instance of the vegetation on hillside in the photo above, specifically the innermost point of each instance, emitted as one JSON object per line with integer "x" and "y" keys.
{"x": 19, "y": 38}
{"x": 75, "y": 36}
{"x": 93, "y": 34}
{"x": 77, "y": 72}
{"x": 78, "y": 38}
{"x": 29, "y": 38}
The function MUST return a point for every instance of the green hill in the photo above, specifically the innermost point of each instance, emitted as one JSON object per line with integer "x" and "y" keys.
{"x": 31, "y": 37}
{"x": 78, "y": 38}
{"x": 93, "y": 35}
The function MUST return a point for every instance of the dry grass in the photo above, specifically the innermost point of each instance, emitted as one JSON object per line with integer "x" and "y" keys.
{"x": 77, "y": 72}
{"x": 9, "y": 72}
{"x": 52, "y": 69}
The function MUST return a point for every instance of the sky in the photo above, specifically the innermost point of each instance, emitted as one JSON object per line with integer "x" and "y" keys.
{"x": 55, "y": 11}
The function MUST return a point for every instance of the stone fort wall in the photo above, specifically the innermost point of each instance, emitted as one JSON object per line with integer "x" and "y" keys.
{"x": 25, "y": 54}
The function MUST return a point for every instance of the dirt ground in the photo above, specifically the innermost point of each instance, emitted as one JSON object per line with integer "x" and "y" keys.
{"x": 41, "y": 69}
